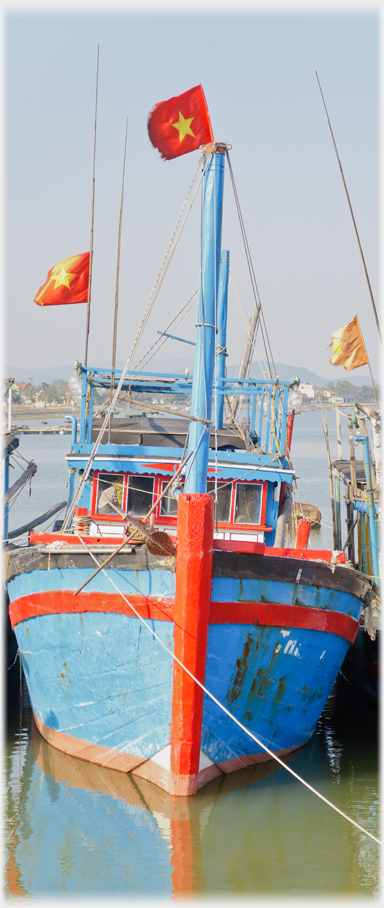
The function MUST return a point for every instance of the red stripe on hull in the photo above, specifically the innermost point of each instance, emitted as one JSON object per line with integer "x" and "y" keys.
{"x": 270, "y": 614}
{"x": 52, "y": 602}
{"x": 265, "y": 614}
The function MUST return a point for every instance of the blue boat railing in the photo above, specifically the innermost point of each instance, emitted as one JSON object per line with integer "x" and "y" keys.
{"x": 263, "y": 402}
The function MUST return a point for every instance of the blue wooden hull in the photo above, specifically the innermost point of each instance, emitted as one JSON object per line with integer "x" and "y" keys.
{"x": 101, "y": 685}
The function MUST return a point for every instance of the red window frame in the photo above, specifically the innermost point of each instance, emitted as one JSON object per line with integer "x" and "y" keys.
{"x": 159, "y": 479}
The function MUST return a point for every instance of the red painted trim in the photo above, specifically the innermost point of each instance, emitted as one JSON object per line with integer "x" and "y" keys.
{"x": 273, "y": 614}
{"x": 302, "y": 535}
{"x": 290, "y": 419}
{"x": 166, "y": 467}
{"x": 95, "y": 486}
{"x": 192, "y": 600}
{"x": 263, "y": 502}
{"x": 64, "y": 602}
{"x": 230, "y": 545}
{"x": 267, "y": 614}
{"x": 70, "y": 539}
{"x": 94, "y": 491}
{"x": 233, "y": 504}
{"x": 225, "y": 527}
{"x": 307, "y": 554}
{"x": 259, "y": 526}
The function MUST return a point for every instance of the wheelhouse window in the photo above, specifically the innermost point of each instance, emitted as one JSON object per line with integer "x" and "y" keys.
{"x": 224, "y": 492}
{"x": 248, "y": 503}
{"x": 140, "y": 495}
{"x": 110, "y": 493}
{"x": 168, "y": 504}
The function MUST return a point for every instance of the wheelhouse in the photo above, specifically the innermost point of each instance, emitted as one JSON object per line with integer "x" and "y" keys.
{"x": 240, "y": 506}
{"x": 138, "y": 452}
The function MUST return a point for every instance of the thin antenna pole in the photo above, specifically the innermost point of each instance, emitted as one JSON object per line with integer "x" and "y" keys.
{"x": 92, "y": 221}
{"x": 118, "y": 256}
{"x": 373, "y": 385}
{"x": 351, "y": 211}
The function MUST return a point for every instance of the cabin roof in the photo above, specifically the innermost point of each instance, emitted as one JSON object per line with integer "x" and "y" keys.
{"x": 154, "y": 431}
{"x": 343, "y": 467}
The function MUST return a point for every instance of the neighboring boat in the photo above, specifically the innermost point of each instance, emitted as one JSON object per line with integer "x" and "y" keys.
{"x": 200, "y": 621}
{"x": 362, "y": 483}
{"x": 12, "y": 459}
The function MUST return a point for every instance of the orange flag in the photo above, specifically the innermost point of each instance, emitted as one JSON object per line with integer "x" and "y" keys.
{"x": 181, "y": 124}
{"x": 67, "y": 282}
{"x": 348, "y": 347}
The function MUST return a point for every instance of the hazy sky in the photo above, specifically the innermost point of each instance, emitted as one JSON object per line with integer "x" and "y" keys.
{"x": 258, "y": 74}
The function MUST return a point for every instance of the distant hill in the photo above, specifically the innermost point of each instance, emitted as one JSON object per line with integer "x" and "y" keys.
{"x": 50, "y": 373}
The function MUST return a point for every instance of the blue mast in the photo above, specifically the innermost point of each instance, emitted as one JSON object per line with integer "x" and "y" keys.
{"x": 201, "y": 403}
{"x": 221, "y": 349}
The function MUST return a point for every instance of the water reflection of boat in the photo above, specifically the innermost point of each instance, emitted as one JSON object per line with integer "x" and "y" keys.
{"x": 180, "y": 821}
{"x": 88, "y": 830}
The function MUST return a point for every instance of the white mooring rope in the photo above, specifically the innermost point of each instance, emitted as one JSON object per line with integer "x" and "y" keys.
{"x": 223, "y": 708}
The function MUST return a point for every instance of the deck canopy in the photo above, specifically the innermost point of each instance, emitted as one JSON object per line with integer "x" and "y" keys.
{"x": 162, "y": 433}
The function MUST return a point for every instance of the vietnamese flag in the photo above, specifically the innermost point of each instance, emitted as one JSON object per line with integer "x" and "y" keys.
{"x": 180, "y": 125}
{"x": 66, "y": 282}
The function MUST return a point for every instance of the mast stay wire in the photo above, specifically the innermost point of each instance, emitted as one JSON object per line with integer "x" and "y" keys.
{"x": 246, "y": 319}
{"x": 351, "y": 213}
{"x": 165, "y": 263}
{"x": 256, "y": 294}
{"x": 163, "y": 340}
{"x": 241, "y": 305}
{"x": 167, "y": 341}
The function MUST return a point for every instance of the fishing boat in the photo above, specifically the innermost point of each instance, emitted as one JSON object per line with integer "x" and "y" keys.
{"x": 361, "y": 480}
{"x": 165, "y": 630}
{"x": 14, "y": 460}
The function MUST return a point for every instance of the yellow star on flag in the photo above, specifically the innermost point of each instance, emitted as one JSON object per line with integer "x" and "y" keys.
{"x": 337, "y": 347}
{"x": 184, "y": 127}
{"x": 62, "y": 279}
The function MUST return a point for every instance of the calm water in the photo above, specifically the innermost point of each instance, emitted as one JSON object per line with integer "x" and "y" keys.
{"x": 73, "y": 830}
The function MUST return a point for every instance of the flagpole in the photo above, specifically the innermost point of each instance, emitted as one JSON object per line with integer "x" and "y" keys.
{"x": 92, "y": 221}
{"x": 118, "y": 257}
{"x": 369, "y": 365}
{"x": 373, "y": 383}
{"x": 117, "y": 282}
{"x": 352, "y": 215}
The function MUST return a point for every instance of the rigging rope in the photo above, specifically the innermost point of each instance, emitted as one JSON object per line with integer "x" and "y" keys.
{"x": 224, "y": 709}
{"x": 165, "y": 263}
{"x": 161, "y": 337}
{"x": 149, "y": 307}
{"x": 252, "y": 274}
{"x": 240, "y": 303}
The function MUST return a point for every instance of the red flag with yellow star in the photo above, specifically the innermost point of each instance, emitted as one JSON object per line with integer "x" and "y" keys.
{"x": 67, "y": 282}
{"x": 181, "y": 124}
